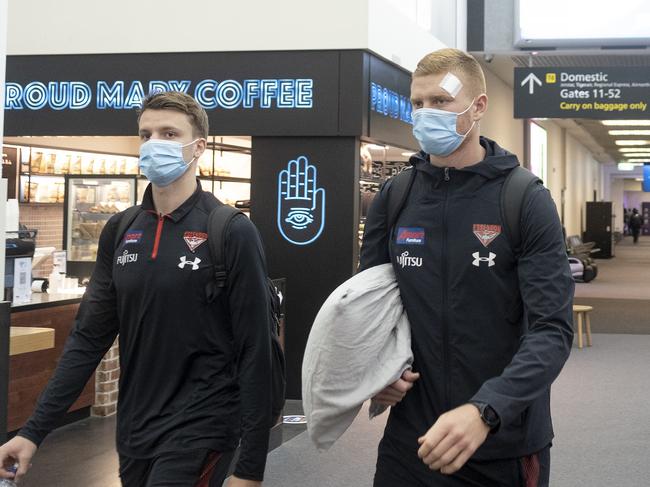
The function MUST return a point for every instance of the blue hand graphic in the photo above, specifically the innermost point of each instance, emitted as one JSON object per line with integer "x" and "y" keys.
{"x": 301, "y": 204}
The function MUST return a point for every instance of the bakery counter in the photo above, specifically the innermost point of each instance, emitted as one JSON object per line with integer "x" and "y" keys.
{"x": 26, "y": 339}
{"x": 37, "y": 332}
{"x": 45, "y": 300}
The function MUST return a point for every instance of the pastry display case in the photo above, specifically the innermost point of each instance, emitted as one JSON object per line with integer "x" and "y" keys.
{"x": 224, "y": 169}
{"x": 89, "y": 202}
{"x": 42, "y": 170}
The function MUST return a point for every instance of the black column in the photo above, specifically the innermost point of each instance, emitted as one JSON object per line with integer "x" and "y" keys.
{"x": 5, "y": 319}
{"x": 310, "y": 240}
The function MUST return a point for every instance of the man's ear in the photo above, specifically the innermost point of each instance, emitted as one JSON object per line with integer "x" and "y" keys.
{"x": 200, "y": 147}
{"x": 480, "y": 107}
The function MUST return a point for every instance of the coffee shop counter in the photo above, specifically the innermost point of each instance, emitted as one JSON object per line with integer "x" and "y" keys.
{"x": 30, "y": 371}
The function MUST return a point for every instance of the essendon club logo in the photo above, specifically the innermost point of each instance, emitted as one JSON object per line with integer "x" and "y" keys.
{"x": 486, "y": 233}
{"x": 194, "y": 239}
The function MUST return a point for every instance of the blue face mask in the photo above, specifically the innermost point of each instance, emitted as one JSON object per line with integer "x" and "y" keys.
{"x": 435, "y": 130}
{"x": 161, "y": 161}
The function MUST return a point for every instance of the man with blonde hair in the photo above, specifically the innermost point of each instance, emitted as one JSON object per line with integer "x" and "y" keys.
{"x": 489, "y": 305}
{"x": 195, "y": 364}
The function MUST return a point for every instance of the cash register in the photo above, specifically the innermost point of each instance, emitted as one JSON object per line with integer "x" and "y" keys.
{"x": 18, "y": 244}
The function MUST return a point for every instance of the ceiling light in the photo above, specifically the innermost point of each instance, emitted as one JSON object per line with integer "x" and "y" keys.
{"x": 625, "y": 166}
{"x": 646, "y": 159}
{"x": 623, "y": 123}
{"x": 634, "y": 149}
{"x": 408, "y": 154}
{"x": 629, "y": 132}
{"x": 637, "y": 154}
{"x": 632, "y": 142}
{"x": 639, "y": 180}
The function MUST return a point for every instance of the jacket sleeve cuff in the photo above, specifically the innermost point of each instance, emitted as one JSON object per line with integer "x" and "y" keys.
{"x": 496, "y": 402}
{"x": 36, "y": 439}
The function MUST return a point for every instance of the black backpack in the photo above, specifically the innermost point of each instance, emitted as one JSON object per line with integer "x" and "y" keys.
{"x": 218, "y": 222}
{"x": 513, "y": 195}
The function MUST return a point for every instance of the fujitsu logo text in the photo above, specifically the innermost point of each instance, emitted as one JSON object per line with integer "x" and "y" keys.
{"x": 126, "y": 258}
{"x": 405, "y": 261}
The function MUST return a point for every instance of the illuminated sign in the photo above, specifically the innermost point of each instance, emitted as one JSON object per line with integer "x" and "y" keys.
{"x": 646, "y": 178}
{"x": 390, "y": 103}
{"x": 301, "y": 203}
{"x": 610, "y": 92}
{"x": 117, "y": 95}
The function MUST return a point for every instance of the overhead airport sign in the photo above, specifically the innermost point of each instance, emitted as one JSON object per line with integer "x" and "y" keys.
{"x": 598, "y": 92}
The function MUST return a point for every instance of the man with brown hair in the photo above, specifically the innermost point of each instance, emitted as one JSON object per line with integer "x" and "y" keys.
{"x": 195, "y": 365}
{"x": 490, "y": 317}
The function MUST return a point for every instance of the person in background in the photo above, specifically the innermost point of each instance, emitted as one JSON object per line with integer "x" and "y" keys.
{"x": 635, "y": 223}
{"x": 195, "y": 366}
{"x": 491, "y": 326}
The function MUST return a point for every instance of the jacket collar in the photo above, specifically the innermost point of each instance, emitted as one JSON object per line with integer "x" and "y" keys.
{"x": 178, "y": 213}
{"x": 497, "y": 162}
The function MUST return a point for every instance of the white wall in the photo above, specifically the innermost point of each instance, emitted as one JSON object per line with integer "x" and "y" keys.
{"x": 124, "y": 26}
{"x": 3, "y": 52}
{"x": 397, "y": 31}
{"x": 498, "y": 123}
{"x": 3, "y": 182}
{"x": 80, "y": 26}
{"x": 582, "y": 177}
{"x": 556, "y": 170}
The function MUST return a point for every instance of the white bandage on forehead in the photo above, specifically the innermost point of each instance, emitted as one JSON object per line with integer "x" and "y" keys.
{"x": 451, "y": 84}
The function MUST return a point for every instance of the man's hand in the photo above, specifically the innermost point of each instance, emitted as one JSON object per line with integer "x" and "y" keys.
{"x": 17, "y": 450}
{"x": 237, "y": 482}
{"x": 453, "y": 439}
{"x": 395, "y": 392}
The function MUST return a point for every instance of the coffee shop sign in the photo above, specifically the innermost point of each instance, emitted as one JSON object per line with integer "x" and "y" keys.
{"x": 296, "y": 93}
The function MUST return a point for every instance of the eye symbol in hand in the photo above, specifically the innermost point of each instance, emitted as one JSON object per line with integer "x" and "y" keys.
{"x": 301, "y": 203}
{"x": 299, "y": 218}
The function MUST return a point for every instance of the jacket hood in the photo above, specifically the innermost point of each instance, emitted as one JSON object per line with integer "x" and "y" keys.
{"x": 497, "y": 162}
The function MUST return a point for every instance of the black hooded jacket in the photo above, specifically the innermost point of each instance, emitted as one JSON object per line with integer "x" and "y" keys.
{"x": 487, "y": 325}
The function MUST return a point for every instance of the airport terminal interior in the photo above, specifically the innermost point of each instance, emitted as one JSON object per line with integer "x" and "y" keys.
{"x": 326, "y": 85}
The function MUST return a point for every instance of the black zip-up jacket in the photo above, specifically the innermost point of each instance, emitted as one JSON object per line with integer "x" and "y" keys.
{"x": 486, "y": 326}
{"x": 195, "y": 370}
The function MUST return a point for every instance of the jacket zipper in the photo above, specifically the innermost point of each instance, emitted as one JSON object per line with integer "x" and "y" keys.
{"x": 156, "y": 243}
{"x": 445, "y": 324}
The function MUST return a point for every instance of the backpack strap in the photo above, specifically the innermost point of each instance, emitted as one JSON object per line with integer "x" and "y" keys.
{"x": 399, "y": 190}
{"x": 128, "y": 217}
{"x": 514, "y": 192}
{"x": 218, "y": 222}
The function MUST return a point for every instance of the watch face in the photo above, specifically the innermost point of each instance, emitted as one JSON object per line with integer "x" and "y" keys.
{"x": 490, "y": 416}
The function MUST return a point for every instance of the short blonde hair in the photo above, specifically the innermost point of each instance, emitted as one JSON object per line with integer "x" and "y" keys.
{"x": 456, "y": 62}
{"x": 181, "y": 102}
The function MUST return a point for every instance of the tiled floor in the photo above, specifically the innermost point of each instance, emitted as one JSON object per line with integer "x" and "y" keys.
{"x": 83, "y": 454}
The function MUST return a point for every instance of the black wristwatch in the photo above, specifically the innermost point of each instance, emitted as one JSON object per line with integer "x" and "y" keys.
{"x": 488, "y": 415}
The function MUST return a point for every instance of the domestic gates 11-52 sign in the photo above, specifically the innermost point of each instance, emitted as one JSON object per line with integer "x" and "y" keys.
{"x": 597, "y": 92}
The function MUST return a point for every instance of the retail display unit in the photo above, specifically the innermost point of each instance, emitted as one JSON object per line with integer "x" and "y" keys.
{"x": 42, "y": 170}
{"x": 89, "y": 202}
{"x": 378, "y": 163}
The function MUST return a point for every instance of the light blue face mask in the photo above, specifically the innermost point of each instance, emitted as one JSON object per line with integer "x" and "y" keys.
{"x": 161, "y": 161}
{"x": 435, "y": 130}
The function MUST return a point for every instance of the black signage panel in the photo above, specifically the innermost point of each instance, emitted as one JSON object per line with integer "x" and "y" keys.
{"x": 596, "y": 92}
{"x": 304, "y": 201}
{"x": 244, "y": 93}
{"x": 389, "y": 105}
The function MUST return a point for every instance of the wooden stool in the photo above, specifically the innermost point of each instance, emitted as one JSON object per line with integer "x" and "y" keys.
{"x": 581, "y": 311}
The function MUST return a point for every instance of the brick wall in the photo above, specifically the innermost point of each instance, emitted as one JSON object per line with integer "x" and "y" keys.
{"x": 106, "y": 383}
{"x": 48, "y": 220}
